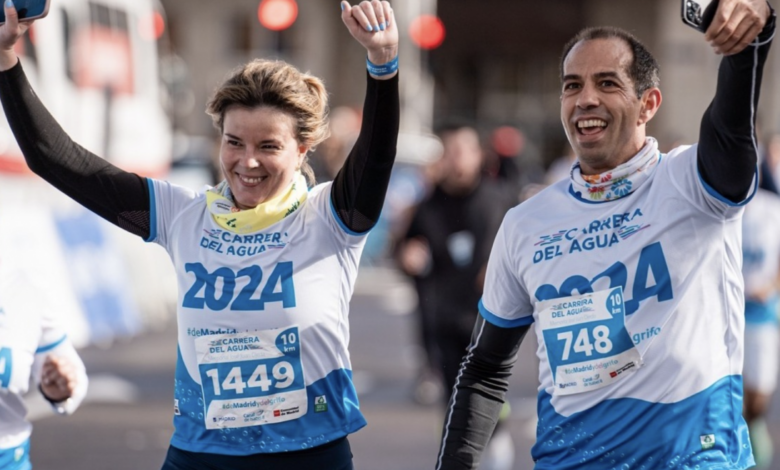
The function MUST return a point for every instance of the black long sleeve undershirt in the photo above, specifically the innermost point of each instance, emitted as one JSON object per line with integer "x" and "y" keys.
{"x": 476, "y": 401}
{"x": 727, "y": 152}
{"x": 122, "y": 198}
{"x": 360, "y": 186}
{"x": 727, "y": 162}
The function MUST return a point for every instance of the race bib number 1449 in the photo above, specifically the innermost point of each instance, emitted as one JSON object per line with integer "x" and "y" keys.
{"x": 251, "y": 379}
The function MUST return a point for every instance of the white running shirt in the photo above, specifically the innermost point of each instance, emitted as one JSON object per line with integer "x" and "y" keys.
{"x": 761, "y": 253}
{"x": 29, "y": 332}
{"x": 263, "y": 364}
{"x": 673, "y": 246}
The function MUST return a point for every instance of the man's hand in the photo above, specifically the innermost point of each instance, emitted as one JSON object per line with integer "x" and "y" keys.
{"x": 737, "y": 23}
{"x": 58, "y": 379}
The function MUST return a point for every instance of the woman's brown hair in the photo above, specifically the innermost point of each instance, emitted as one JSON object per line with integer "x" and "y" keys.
{"x": 279, "y": 85}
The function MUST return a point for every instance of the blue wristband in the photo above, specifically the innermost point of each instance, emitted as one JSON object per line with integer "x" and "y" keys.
{"x": 384, "y": 69}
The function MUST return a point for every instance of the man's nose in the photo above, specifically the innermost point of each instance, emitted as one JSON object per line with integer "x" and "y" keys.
{"x": 588, "y": 97}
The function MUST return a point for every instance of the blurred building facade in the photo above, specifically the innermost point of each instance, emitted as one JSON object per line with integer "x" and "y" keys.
{"x": 498, "y": 64}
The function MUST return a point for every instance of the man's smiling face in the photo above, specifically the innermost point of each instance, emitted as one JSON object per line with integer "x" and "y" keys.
{"x": 600, "y": 111}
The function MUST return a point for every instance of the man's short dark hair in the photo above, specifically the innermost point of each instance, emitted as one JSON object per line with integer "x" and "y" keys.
{"x": 644, "y": 70}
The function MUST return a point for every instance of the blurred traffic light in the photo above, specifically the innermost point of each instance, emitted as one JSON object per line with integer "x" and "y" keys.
{"x": 508, "y": 141}
{"x": 152, "y": 26}
{"x": 427, "y": 31}
{"x": 277, "y": 15}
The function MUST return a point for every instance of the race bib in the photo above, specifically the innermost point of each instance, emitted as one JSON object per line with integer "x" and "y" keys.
{"x": 587, "y": 343}
{"x": 251, "y": 379}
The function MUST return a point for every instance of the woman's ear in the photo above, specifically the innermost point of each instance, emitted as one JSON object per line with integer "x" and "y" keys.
{"x": 303, "y": 150}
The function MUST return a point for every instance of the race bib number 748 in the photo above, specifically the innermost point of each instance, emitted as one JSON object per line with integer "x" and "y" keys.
{"x": 588, "y": 346}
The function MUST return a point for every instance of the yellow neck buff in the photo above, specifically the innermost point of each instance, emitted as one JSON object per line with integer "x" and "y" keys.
{"x": 219, "y": 201}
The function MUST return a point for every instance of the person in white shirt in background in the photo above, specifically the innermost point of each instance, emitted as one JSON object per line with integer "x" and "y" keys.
{"x": 33, "y": 348}
{"x": 761, "y": 271}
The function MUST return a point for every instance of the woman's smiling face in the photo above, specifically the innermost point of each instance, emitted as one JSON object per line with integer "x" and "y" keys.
{"x": 259, "y": 153}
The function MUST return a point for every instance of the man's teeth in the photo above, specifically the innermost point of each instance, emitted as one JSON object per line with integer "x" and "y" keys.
{"x": 591, "y": 123}
{"x": 249, "y": 180}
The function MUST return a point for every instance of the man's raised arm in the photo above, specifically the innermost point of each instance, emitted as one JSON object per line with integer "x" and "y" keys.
{"x": 742, "y": 30}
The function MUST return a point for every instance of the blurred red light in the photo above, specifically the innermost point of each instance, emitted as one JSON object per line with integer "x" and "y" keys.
{"x": 152, "y": 26}
{"x": 277, "y": 15}
{"x": 508, "y": 141}
{"x": 427, "y": 31}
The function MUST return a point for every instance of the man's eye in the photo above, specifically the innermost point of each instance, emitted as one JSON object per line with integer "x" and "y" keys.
{"x": 571, "y": 86}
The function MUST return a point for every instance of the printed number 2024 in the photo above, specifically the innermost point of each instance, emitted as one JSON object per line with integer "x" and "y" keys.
{"x": 204, "y": 291}
{"x": 583, "y": 344}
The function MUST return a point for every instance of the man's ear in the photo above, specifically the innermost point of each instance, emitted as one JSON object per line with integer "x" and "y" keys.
{"x": 651, "y": 101}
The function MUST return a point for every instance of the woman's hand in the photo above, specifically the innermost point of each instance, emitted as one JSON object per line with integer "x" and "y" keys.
{"x": 58, "y": 378}
{"x": 10, "y": 32}
{"x": 373, "y": 25}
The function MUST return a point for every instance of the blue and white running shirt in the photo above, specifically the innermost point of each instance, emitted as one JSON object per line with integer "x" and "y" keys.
{"x": 665, "y": 391}
{"x": 761, "y": 257}
{"x": 263, "y": 327}
{"x": 28, "y": 334}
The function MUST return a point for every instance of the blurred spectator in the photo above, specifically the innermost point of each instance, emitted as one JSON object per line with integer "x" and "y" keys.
{"x": 446, "y": 249}
{"x": 507, "y": 143}
{"x": 330, "y": 155}
{"x": 761, "y": 271}
{"x": 34, "y": 349}
{"x": 507, "y": 160}
{"x": 414, "y": 176}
